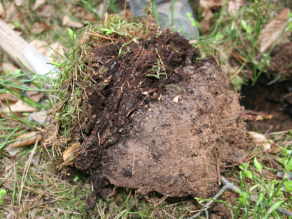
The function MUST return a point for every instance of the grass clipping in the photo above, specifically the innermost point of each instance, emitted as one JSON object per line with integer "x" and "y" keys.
{"x": 147, "y": 113}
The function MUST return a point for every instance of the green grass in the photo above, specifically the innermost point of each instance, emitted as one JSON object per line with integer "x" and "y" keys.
{"x": 239, "y": 34}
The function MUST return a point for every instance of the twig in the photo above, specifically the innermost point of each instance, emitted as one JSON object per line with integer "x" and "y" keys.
{"x": 229, "y": 185}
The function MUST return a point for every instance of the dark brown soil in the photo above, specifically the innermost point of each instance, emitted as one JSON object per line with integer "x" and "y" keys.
{"x": 221, "y": 212}
{"x": 275, "y": 99}
{"x": 281, "y": 60}
{"x": 172, "y": 134}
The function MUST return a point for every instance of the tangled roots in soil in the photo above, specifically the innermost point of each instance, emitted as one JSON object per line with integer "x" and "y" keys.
{"x": 157, "y": 119}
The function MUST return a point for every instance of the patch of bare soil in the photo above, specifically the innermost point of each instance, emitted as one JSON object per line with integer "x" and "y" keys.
{"x": 221, "y": 212}
{"x": 275, "y": 99}
{"x": 157, "y": 119}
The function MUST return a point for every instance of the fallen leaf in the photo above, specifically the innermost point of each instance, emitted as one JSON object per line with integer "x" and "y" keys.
{"x": 70, "y": 23}
{"x": 267, "y": 144}
{"x": 10, "y": 14}
{"x": 45, "y": 11}
{"x": 273, "y": 30}
{"x": 83, "y": 15}
{"x": 274, "y": 149}
{"x": 207, "y": 7}
{"x": 90, "y": 17}
{"x": 260, "y": 140}
{"x": 39, "y": 27}
{"x": 19, "y": 107}
{"x": 11, "y": 99}
{"x": 70, "y": 152}
{"x": 38, "y": 3}
{"x": 34, "y": 95}
{"x": 25, "y": 139}
{"x": 234, "y": 6}
{"x": 39, "y": 117}
{"x": 126, "y": 14}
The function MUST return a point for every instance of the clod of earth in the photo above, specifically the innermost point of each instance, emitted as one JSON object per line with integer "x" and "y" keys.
{"x": 155, "y": 118}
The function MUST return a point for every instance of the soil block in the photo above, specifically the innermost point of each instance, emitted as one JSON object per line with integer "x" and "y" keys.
{"x": 156, "y": 117}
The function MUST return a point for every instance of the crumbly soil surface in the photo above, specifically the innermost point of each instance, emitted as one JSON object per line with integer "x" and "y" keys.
{"x": 172, "y": 133}
{"x": 274, "y": 99}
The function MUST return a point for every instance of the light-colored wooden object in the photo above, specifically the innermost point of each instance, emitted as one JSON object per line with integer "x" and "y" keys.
{"x": 12, "y": 44}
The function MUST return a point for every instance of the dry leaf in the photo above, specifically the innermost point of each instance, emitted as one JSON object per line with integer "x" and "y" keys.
{"x": 207, "y": 14}
{"x": 11, "y": 99}
{"x": 82, "y": 15}
{"x": 90, "y": 17}
{"x": 70, "y": 152}
{"x": 45, "y": 11}
{"x": 39, "y": 117}
{"x": 38, "y": 3}
{"x": 126, "y": 13}
{"x": 39, "y": 27}
{"x": 69, "y": 23}
{"x": 12, "y": 14}
{"x": 19, "y": 107}
{"x": 207, "y": 6}
{"x": 25, "y": 139}
{"x": 34, "y": 95}
{"x": 274, "y": 149}
{"x": 270, "y": 33}
{"x": 12, "y": 151}
{"x": 9, "y": 11}
{"x": 267, "y": 144}
{"x": 234, "y": 6}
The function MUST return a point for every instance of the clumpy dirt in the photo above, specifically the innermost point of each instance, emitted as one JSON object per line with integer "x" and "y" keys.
{"x": 156, "y": 118}
{"x": 281, "y": 60}
{"x": 275, "y": 99}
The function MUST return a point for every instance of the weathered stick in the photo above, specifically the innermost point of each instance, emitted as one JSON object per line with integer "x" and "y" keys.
{"x": 13, "y": 44}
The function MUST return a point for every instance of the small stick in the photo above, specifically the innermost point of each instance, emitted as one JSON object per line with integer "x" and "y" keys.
{"x": 229, "y": 185}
